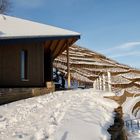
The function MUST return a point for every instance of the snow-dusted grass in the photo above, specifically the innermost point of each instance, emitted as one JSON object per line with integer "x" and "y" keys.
{"x": 128, "y": 106}
{"x": 64, "y": 115}
{"x": 133, "y": 132}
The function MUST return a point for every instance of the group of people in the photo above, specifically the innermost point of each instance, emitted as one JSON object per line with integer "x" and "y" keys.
{"x": 59, "y": 78}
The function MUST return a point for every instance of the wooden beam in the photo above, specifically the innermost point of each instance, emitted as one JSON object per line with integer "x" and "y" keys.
{"x": 47, "y": 45}
{"x": 57, "y": 48}
{"x": 65, "y": 46}
{"x": 60, "y": 48}
{"x": 54, "y": 45}
{"x": 74, "y": 40}
{"x": 68, "y": 67}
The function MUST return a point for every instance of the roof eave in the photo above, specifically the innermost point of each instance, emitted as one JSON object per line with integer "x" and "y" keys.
{"x": 19, "y": 39}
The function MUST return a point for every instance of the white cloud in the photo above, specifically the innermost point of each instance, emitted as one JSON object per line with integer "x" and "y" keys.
{"x": 124, "y": 54}
{"x": 127, "y": 53}
{"x": 126, "y": 49}
{"x": 29, "y": 3}
{"x": 125, "y": 46}
{"x": 129, "y": 45}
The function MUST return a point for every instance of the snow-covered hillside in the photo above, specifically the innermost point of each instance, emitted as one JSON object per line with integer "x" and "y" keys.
{"x": 64, "y": 115}
{"x": 87, "y": 66}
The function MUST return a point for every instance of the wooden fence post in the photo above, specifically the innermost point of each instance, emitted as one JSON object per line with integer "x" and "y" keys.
{"x": 109, "y": 81}
{"x": 103, "y": 82}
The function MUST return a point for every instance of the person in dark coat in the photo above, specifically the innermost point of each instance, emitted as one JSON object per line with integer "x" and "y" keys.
{"x": 62, "y": 81}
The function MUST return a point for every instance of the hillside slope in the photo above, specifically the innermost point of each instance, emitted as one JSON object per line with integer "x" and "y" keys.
{"x": 87, "y": 66}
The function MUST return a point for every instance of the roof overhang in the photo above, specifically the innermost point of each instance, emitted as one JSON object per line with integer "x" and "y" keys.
{"x": 20, "y": 31}
{"x": 13, "y": 40}
{"x": 17, "y": 28}
{"x": 57, "y": 44}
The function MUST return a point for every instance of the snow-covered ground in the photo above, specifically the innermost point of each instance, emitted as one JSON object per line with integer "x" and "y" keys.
{"x": 64, "y": 115}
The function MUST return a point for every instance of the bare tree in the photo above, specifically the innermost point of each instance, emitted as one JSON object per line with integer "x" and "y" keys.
{"x": 4, "y": 5}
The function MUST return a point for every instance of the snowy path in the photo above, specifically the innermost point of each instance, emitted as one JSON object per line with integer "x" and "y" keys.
{"x": 65, "y": 115}
{"x": 87, "y": 119}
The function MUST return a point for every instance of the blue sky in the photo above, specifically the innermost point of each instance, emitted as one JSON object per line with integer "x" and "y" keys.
{"x": 110, "y": 27}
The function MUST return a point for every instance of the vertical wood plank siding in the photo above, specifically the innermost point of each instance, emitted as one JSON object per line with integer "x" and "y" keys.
{"x": 10, "y": 69}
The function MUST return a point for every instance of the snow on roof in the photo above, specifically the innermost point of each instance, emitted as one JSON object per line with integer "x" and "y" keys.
{"x": 79, "y": 77}
{"x": 77, "y": 61}
{"x": 138, "y": 82}
{"x": 91, "y": 63}
{"x": 86, "y": 74}
{"x": 118, "y": 91}
{"x": 81, "y": 58}
{"x": 12, "y": 27}
{"x": 112, "y": 70}
{"x": 131, "y": 75}
{"x": 60, "y": 66}
{"x": 119, "y": 80}
{"x": 133, "y": 90}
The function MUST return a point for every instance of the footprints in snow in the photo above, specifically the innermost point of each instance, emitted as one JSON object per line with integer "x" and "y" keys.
{"x": 2, "y": 119}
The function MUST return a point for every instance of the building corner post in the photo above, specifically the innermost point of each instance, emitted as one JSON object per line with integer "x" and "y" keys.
{"x": 68, "y": 67}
